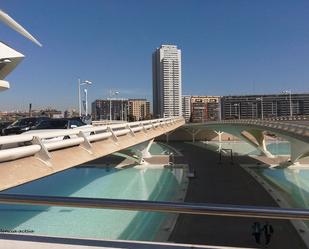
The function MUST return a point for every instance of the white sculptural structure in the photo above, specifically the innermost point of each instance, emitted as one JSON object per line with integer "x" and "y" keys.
{"x": 9, "y": 58}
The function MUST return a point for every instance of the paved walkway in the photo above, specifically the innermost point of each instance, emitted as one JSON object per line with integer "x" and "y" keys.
{"x": 226, "y": 184}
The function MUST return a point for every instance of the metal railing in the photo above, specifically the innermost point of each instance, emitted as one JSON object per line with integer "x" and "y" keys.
{"x": 23, "y": 145}
{"x": 299, "y": 129}
{"x": 167, "y": 207}
{"x": 289, "y": 118}
{"x": 107, "y": 122}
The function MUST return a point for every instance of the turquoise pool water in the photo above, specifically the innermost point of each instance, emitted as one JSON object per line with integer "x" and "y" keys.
{"x": 139, "y": 184}
{"x": 159, "y": 149}
{"x": 243, "y": 148}
{"x": 155, "y": 149}
{"x": 293, "y": 182}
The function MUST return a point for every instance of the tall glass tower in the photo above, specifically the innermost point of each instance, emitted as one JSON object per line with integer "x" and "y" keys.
{"x": 166, "y": 75}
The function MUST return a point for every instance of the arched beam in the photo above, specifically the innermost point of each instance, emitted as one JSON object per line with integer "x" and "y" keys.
{"x": 299, "y": 145}
{"x": 258, "y": 135}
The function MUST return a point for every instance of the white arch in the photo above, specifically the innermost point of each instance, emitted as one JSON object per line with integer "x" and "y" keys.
{"x": 299, "y": 144}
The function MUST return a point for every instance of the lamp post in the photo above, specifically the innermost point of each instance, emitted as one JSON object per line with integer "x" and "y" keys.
{"x": 290, "y": 94}
{"x": 111, "y": 93}
{"x": 121, "y": 109}
{"x": 262, "y": 108}
{"x": 80, "y": 83}
{"x": 86, "y": 101}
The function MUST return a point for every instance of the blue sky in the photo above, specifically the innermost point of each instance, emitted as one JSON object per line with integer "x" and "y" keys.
{"x": 228, "y": 47}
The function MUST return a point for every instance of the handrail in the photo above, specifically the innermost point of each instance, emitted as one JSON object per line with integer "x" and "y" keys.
{"x": 159, "y": 206}
{"x": 284, "y": 126}
{"x": 38, "y": 141}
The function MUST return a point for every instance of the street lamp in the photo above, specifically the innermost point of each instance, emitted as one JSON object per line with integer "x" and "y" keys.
{"x": 111, "y": 93}
{"x": 80, "y": 83}
{"x": 122, "y": 109}
{"x": 86, "y": 101}
{"x": 290, "y": 93}
{"x": 262, "y": 108}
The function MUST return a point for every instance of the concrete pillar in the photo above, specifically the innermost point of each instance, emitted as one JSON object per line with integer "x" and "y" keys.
{"x": 194, "y": 133}
{"x": 167, "y": 134}
{"x": 299, "y": 149}
{"x": 145, "y": 151}
{"x": 260, "y": 139}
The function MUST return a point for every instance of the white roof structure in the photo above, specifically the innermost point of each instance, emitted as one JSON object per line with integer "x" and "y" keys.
{"x": 9, "y": 58}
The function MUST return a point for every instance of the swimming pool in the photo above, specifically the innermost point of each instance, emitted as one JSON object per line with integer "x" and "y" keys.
{"x": 294, "y": 182}
{"x": 140, "y": 184}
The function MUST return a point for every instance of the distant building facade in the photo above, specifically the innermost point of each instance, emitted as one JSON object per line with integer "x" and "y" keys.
{"x": 205, "y": 108}
{"x": 105, "y": 109}
{"x": 70, "y": 113}
{"x": 186, "y": 107}
{"x": 139, "y": 109}
{"x": 52, "y": 113}
{"x": 166, "y": 71}
{"x": 264, "y": 106}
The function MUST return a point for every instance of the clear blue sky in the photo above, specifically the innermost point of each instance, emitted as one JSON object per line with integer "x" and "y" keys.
{"x": 228, "y": 47}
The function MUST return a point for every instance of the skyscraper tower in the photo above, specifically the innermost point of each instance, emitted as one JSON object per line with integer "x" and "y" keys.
{"x": 166, "y": 74}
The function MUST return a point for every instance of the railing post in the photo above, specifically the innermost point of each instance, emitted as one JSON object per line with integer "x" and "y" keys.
{"x": 114, "y": 137}
{"x": 43, "y": 154}
{"x": 86, "y": 144}
{"x": 144, "y": 129}
{"x": 131, "y": 131}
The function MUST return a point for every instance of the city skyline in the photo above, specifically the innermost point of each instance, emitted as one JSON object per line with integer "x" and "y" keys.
{"x": 228, "y": 48}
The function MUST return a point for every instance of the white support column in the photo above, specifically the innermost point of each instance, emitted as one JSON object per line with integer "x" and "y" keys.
{"x": 299, "y": 149}
{"x": 167, "y": 134}
{"x": 143, "y": 151}
{"x": 219, "y": 133}
{"x": 194, "y": 133}
{"x": 257, "y": 134}
{"x": 260, "y": 139}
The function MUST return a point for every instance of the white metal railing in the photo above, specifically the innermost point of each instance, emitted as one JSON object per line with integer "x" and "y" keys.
{"x": 159, "y": 206}
{"x": 107, "y": 122}
{"x": 299, "y": 129}
{"x": 40, "y": 143}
